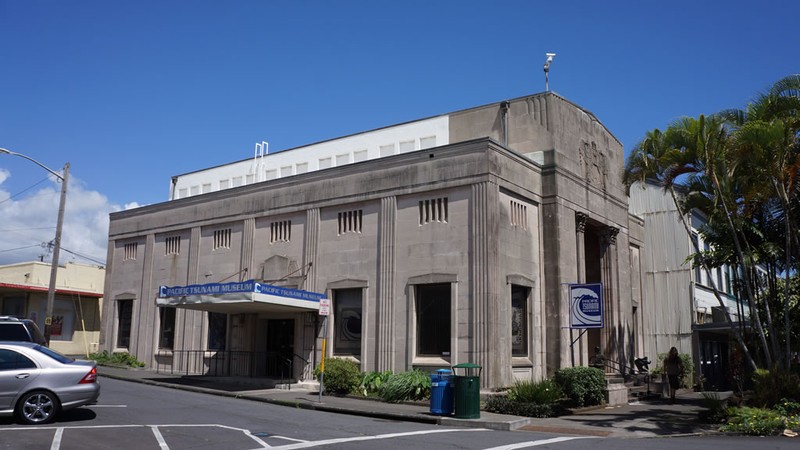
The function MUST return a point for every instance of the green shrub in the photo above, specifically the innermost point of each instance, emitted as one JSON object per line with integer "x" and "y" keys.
{"x": 583, "y": 386}
{"x": 770, "y": 386}
{"x": 116, "y": 359}
{"x": 503, "y": 405}
{"x": 413, "y": 385}
{"x": 371, "y": 382}
{"x": 787, "y": 407}
{"x": 716, "y": 408}
{"x": 342, "y": 376}
{"x": 754, "y": 421}
{"x": 545, "y": 392}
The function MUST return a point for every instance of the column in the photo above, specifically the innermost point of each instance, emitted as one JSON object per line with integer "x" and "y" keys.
{"x": 579, "y": 353}
{"x": 385, "y": 294}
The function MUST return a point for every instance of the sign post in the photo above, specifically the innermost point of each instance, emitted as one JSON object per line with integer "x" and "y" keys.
{"x": 585, "y": 310}
{"x": 324, "y": 311}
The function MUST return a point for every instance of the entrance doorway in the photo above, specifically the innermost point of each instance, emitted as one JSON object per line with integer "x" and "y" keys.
{"x": 280, "y": 348}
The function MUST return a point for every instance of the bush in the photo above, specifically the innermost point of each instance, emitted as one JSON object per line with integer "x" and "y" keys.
{"x": 413, "y": 385}
{"x": 503, "y": 405}
{"x": 583, "y": 386}
{"x": 116, "y": 359}
{"x": 754, "y": 421}
{"x": 342, "y": 376}
{"x": 771, "y": 386}
{"x": 545, "y": 392}
{"x": 371, "y": 382}
{"x": 716, "y": 408}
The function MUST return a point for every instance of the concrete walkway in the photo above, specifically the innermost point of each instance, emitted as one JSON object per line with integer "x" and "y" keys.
{"x": 635, "y": 420}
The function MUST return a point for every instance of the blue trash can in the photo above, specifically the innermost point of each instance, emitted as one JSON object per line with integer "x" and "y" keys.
{"x": 442, "y": 392}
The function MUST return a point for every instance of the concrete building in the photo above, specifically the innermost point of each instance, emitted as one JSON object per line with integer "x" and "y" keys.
{"x": 77, "y": 305}
{"x": 440, "y": 241}
{"x": 684, "y": 311}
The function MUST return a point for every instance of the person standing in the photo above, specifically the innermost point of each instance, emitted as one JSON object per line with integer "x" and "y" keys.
{"x": 673, "y": 367}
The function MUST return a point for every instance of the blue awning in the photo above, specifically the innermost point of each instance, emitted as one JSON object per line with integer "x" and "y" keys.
{"x": 239, "y": 297}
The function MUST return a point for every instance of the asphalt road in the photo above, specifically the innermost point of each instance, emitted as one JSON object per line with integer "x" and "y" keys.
{"x": 137, "y": 416}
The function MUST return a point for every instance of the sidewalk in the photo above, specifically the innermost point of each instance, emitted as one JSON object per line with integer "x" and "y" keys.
{"x": 635, "y": 420}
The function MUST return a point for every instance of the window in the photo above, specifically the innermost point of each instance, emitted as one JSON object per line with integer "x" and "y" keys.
{"x": 271, "y": 174}
{"x": 194, "y": 190}
{"x": 301, "y": 168}
{"x": 350, "y": 221}
{"x": 342, "y": 159}
{"x": 433, "y": 319}
{"x": 11, "y": 360}
{"x": 519, "y": 320}
{"x": 360, "y": 155}
{"x": 124, "y": 316}
{"x": 696, "y": 267}
{"x": 280, "y": 231}
{"x": 182, "y": 193}
{"x": 406, "y": 146}
{"x": 324, "y": 163}
{"x": 519, "y": 215}
{"x": 386, "y": 150}
{"x": 286, "y": 171}
{"x": 222, "y": 239}
{"x": 237, "y": 181}
{"x": 206, "y": 187}
{"x": 130, "y": 251}
{"x": 347, "y": 322}
{"x": 434, "y": 210}
{"x": 224, "y": 184}
{"x": 427, "y": 142}
{"x": 172, "y": 245}
{"x": 166, "y": 335}
{"x": 250, "y": 179}
{"x": 217, "y": 330}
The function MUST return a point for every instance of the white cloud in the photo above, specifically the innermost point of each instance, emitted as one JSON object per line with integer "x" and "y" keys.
{"x": 29, "y": 222}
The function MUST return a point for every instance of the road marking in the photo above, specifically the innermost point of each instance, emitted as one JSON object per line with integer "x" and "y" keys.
{"x": 287, "y": 438}
{"x": 538, "y": 443}
{"x": 370, "y": 438}
{"x": 256, "y": 438}
{"x": 57, "y": 439}
{"x": 159, "y": 437}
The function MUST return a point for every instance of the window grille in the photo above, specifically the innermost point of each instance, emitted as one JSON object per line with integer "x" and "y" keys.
{"x": 350, "y": 221}
{"x": 519, "y": 215}
{"x": 280, "y": 231}
{"x": 222, "y": 238}
{"x": 173, "y": 245}
{"x": 434, "y": 210}
{"x": 130, "y": 251}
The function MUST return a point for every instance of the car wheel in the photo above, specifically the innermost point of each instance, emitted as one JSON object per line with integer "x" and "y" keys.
{"x": 37, "y": 407}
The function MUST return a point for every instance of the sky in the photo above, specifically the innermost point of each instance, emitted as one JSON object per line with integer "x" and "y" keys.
{"x": 133, "y": 93}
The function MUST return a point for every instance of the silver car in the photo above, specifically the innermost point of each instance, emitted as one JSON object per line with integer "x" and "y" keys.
{"x": 36, "y": 382}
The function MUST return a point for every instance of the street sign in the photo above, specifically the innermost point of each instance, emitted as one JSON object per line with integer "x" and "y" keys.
{"x": 324, "y": 307}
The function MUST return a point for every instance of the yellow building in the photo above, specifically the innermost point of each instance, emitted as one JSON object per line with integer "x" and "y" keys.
{"x": 77, "y": 306}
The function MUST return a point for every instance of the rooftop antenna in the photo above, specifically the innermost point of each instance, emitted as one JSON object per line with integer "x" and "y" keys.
{"x": 547, "y": 70}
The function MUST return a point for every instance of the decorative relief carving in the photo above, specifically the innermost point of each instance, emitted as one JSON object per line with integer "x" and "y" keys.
{"x": 593, "y": 163}
{"x": 580, "y": 222}
{"x": 610, "y": 235}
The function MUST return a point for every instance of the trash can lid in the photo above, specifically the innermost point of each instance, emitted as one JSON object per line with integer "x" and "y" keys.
{"x": 444, "y": 371}
{"x": 467, "y": 366}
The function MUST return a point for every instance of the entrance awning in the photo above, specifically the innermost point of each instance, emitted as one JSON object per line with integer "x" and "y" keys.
{"x": 240, "y": 297}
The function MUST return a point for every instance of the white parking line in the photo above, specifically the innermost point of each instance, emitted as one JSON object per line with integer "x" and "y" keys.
{"x": 57, "y": 439}
{"x": 538, "y": 443}
{"x": 370, "y": 438}
{"x": 159, "y": 437}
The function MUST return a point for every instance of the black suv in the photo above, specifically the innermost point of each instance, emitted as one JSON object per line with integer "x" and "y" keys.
{"x": 26, "y": 330}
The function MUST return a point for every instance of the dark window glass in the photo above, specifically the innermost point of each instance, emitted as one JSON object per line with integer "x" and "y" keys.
{"x": 11, "y": 360}
{"x": 13, "y": 331}
{"x": 217, "y": 330}
{"x": 166, "y": 336}
{"x": 433, "y": 319}
{"x": 347, "y": 322}
{"x": 519, "y": 320}
{"x": 124, "y": 315}
{"x": 54, "y": 354}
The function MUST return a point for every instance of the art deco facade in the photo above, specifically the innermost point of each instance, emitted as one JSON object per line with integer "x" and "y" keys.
{"x": 445, "y": 240}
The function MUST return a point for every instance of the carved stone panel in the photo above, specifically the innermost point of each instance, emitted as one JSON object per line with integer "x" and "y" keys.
{"x": 593, "y": 163}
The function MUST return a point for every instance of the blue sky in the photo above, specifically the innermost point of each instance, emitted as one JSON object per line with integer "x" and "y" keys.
{"x": 132, "y": 93}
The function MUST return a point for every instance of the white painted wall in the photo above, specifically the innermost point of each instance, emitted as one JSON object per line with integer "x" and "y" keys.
{"x": 383, "y": 142}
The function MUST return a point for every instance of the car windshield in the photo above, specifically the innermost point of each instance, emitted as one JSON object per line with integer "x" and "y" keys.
{"x": 54, "y": 354}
